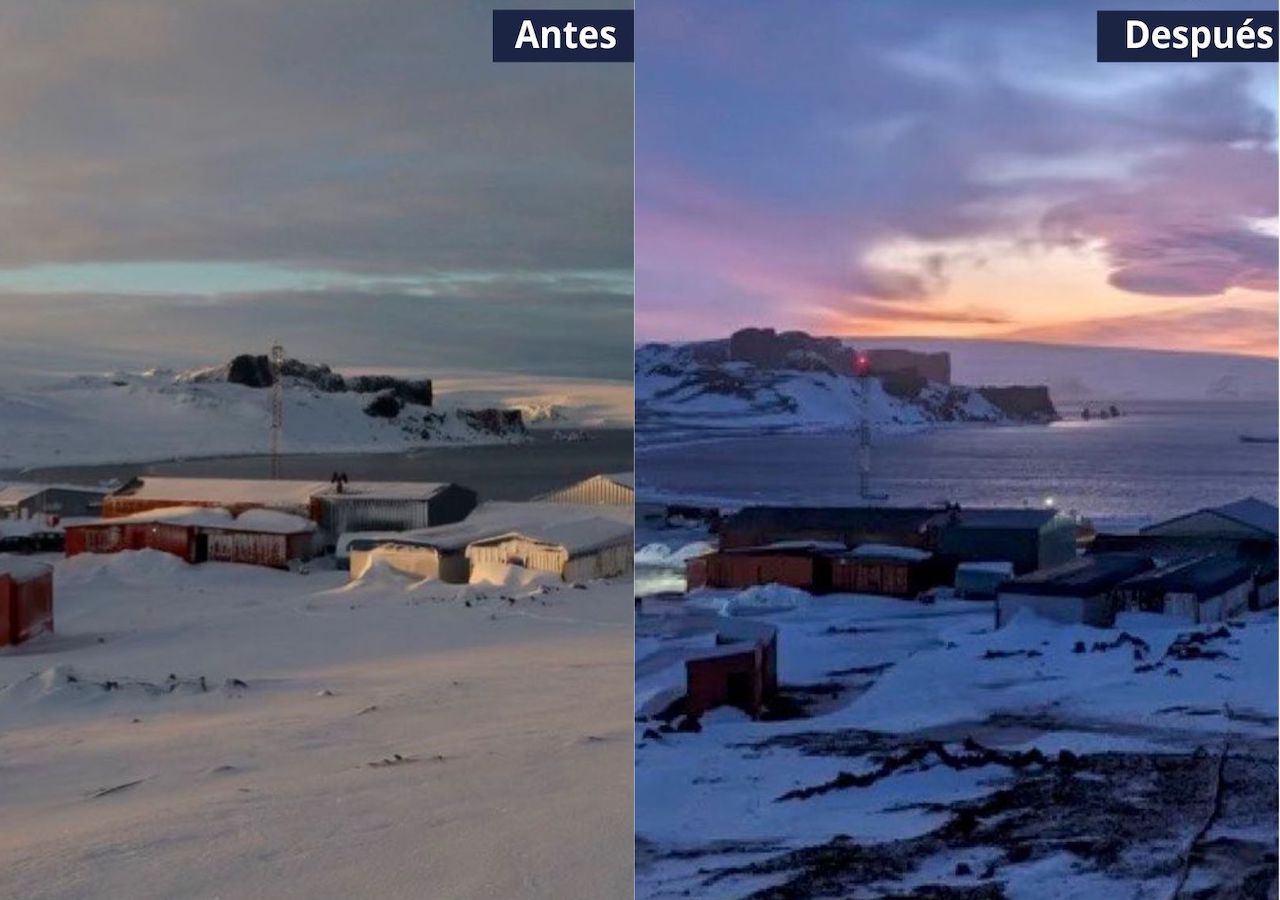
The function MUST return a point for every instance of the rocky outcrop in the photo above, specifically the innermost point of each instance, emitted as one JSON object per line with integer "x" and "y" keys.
{"x": 1027, "y": 403}
{"x": 935, "y": 367}
{"x": 255, "y": 372}
{"x": 799, "y": 351}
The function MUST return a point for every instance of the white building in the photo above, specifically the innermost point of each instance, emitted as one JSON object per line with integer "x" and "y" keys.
{"x": 574, "y": 541}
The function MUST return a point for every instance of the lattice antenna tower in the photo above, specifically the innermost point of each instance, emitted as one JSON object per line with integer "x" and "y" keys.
{"x": 277, "y": 406}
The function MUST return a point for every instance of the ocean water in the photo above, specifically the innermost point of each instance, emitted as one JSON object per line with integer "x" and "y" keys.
{"x": 496, "y": 472}
{"x": 1157, "y": 460}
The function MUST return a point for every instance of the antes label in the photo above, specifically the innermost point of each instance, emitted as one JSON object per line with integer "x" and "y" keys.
{"x": 563, "y": 35}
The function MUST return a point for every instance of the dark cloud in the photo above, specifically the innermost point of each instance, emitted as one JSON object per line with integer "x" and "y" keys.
{"x": 373, "y": 136}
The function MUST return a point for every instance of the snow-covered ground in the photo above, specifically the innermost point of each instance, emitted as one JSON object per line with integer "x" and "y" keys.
{"x": 231, "y": 731}
{"x": 60, "y": 420}
{"x": 870, "y": 789}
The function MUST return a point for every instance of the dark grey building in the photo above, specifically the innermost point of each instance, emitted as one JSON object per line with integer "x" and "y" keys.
{"x": 1028, "y": 538}
{"x": 19, "y": 501}
{"x": 1077, "y": 592}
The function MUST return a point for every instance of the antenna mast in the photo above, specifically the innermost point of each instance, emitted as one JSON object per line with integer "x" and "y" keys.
{"x": 277, "y": 406}
{"x": 862, "y": 369}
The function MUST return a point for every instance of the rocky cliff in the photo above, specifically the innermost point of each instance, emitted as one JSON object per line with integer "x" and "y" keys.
{"x": 760, "y": 379}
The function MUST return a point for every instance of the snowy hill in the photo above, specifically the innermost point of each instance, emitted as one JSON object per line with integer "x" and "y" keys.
{"x": 692, "y": 387}
{"x": 164, "y": 414}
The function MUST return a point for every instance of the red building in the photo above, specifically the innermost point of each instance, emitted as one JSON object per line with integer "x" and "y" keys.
{"x": 197, "y": 534}
{"x": 26, "y": 600}
{"x": 799, "y": 564}
{"x": 884, "y": 569}
{"x": 741, "y": 671}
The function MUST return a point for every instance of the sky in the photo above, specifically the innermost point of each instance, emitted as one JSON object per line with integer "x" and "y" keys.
{"x": 181, "y": 181}
{"x": 875, "y": 169}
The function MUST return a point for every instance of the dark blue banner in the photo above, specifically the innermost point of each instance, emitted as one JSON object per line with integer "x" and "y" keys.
{"x": 1187, "y": 36}
{"x": 563, "y": 35}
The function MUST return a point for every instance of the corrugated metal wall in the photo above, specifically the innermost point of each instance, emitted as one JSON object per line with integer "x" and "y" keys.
{"x": 607, "y": 562}
{"x": 249, "y": 547}
{"x": 341, "y": 514}
{"x": 520, "y": 552}
{"x": 597, "y": 491}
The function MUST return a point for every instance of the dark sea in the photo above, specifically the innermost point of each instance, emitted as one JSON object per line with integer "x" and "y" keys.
{"x": 1158, "y": 459}
{"x": 499, "y": 472}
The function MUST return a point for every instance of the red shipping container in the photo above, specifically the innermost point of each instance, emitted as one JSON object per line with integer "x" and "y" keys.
{"x": 26, "y": 600}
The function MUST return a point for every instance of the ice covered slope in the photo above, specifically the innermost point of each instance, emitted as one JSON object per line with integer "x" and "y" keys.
{"x": 162, "y": 414}
{"x": 679, "y": 389}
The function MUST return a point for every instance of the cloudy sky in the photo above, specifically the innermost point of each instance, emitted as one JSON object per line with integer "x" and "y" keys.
{"x": 183, "y": 180}
{"x": 884, "y": 169}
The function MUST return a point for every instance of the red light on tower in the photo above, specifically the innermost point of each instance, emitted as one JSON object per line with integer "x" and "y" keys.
{"x": 861, "y": 365}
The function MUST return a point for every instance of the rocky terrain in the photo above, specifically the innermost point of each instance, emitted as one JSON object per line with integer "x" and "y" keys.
{"x": 764, "y": 380}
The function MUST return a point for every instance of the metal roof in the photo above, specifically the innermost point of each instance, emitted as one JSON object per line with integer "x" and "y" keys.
{"x": 1252, "y": 512}
{"x": 1249, "y": 512}
{"x": 19, "y": 492}
{"x": 1083, "y": 577}
{"x": 1205, "y": 577}
{"x": 270, "y": 492}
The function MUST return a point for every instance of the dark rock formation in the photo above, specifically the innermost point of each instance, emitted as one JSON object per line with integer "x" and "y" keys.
{"x": 935, "y": 367}
{"x": 1024, "y": 402}
{"x": 384, "y": 405}
{"x": 255, "y": 372}
{"x": 765, "y": 348}
{"x": 494, "y": 421}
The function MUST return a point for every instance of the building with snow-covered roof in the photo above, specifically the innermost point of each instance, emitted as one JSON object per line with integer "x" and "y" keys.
{"x": 565, "y": 538}
{"x": 26, "y": 599}
{"x": 981, "y": 580}
{"x": 27, "y": 500}
{"x": 795, "y": 563}
{"x": 1029, "y": 538}
{"x": 578, "y": 550}
{"x": 1078, "y": 592}
{"x": 199, "y": 534}
{"x": 1209, "y": 589}
{"x": 883, "y": 569}
{"x": 335, "y": 506}
{"x": 615, "y": 489}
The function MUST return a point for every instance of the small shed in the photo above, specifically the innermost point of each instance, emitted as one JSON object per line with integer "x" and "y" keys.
{"x": 616, "y": 489}
{"x": 1209, "y": 589}
{"x": 580, "y": 549}
{"x": 981, "y": 580}
{"x": 883, "y": 569}
{"x": 26, "y": 600}
{"x": 741, "y": 671}
{"x": 1075, "y": 592}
